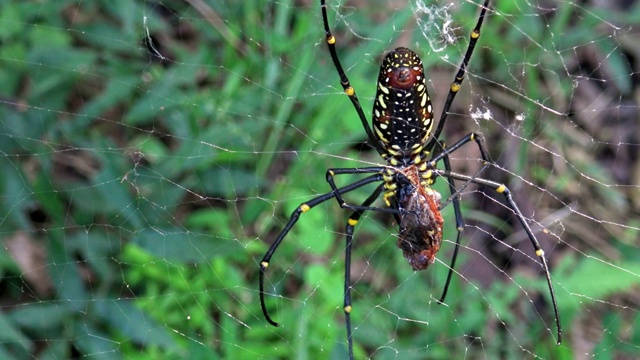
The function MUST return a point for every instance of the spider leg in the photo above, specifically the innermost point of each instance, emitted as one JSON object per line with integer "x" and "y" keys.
{"x": 442, "y": 153}
{"x": 344, "y": 80}
{"x": 502, "y": 189}
{"x": 479, "y": 140}
{"x": 304, "y": 207}
{"x": 457, "y": 81}
{"x": 351, "y": 223}
{"x": 340, "y": 171}
{"x": 458, "y": 216}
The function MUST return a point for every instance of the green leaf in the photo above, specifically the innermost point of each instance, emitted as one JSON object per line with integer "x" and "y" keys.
{"x": 592, "y": 278}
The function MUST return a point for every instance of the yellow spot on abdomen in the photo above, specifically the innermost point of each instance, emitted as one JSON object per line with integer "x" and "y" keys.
{"x": 347, "y": 309}
{"x": 264, "y": 264}
{"x": 304, "y": 208}
{"x": 381, "y": 101}
{"x": 352, "y": 222}
{"x": 331, "y": 40}
{"x": 539, "y": 253}
{"x": 501, "y": 188}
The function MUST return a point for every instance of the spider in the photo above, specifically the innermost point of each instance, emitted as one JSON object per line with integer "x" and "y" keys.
{"x": 401, "y": 132}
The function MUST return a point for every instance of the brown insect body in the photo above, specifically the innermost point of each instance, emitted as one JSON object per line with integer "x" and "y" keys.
{"x": 421, "y": 223}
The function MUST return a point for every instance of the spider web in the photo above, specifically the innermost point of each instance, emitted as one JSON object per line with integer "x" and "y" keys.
{"x": 152, "y": 151}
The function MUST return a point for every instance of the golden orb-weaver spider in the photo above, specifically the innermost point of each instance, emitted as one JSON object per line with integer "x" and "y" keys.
{"x": 402, "y": 134}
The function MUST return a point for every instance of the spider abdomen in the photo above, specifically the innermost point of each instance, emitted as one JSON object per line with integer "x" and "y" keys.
{"x": 402, "y": 112}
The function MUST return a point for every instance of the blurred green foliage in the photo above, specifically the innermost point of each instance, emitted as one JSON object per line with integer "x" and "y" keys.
{"x": 145, "y": 176}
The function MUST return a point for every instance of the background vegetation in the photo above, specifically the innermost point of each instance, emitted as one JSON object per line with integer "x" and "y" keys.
{"x": 151, "y": 151}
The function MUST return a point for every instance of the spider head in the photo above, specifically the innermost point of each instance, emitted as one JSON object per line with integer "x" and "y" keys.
{"x": 402, "y": 112}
